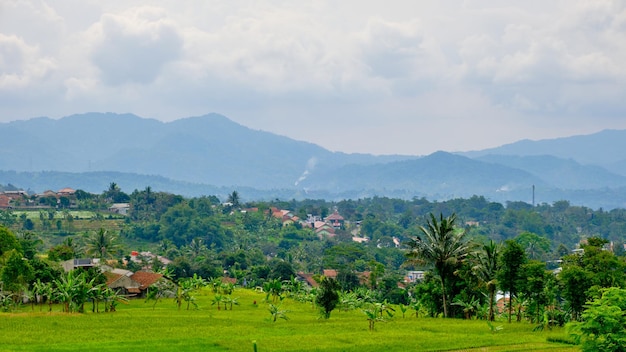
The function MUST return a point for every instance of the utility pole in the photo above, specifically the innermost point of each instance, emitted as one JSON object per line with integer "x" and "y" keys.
{"x": 533, "y": 196}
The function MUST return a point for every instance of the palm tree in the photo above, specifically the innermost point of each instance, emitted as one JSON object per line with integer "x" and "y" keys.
{"x": 486, "y": 269}
{"x": 443, "y": 248}
{"x": 196, "y": 248}
{"x": 233, "y": 199}
{"x": 101, "y": 244}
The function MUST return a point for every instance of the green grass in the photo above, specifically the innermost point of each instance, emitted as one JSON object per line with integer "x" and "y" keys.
{"x": 137, "y": 327}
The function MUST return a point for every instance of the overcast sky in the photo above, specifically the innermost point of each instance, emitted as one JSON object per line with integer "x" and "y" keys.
{"x": 382, "y": 77}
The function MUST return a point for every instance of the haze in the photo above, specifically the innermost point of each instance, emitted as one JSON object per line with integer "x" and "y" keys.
{"x": 392, "y": 77}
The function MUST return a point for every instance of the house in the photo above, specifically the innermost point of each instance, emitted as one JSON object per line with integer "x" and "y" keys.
{"x": 335, "y": 220}
{"x": 325, "y": 232}
{"x": 330, "y": 273}
{"x": 129, "y": 283}
{"x": 145, "y": 280}
{"x": 360, "y": 239}
{"x": 143, "y": 257}
{"x": 66, "y": 192}
{"x": 7, "y": 198}
{"x": 4, "y": 201}
{"x": 307, "y": 278}
{"x": 84, "y": 263}
{"x": 414, "y": 276}
{"x": 120, "y": 280}
{"x": 120, "y": 208}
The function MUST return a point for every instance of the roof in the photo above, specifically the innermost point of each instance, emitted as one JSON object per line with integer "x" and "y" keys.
{"x": 229, "y": 280}
{"x": 67, "y": 190}
{"x": 332, "y": 273}
{"x": 309, "y": 279}
{"x": 122, "y": 272}
{"x": 145, "y": 279}
{"x": 335, "y": 216}
{"x": 319, "y": 224}
{"x": 112, "y": 277}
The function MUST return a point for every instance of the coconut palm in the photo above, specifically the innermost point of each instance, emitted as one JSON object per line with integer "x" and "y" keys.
{"x": 101, "y": 244}
{"x": 443, "y": 248}
{"x": 233, "y": 199}
{"x": 486, "y": 269}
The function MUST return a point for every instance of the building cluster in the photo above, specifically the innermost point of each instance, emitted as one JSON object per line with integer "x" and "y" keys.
{"x": 19, "y": 199}
{"x": 323, "y": 227}
{"x": 123, "y": 281}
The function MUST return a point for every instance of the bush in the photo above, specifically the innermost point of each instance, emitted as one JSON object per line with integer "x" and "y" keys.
{"x": 602, "y": 328}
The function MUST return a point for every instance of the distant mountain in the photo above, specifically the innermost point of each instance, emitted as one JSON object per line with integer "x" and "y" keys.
{"x": 560, "y": 173}
{"x": 605, "y": 148}
{"x": 209, "y": 149}
{"x": 441, "y": 175}
{"x": 212, "y": 155}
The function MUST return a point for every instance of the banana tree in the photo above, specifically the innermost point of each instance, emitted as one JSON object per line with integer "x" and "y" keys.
{"x": 217, "y": 300}
{"x": 111, "y": 298}
{"x": 276, "y": 312}
{"x": 469, "y": 307}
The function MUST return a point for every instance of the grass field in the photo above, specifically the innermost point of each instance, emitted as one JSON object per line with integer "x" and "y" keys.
{"x": 137, "y": 327}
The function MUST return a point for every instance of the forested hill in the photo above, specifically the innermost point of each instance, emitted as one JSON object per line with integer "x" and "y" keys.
{"x": 211, "y": 155}
{"x": 208, "y": 149}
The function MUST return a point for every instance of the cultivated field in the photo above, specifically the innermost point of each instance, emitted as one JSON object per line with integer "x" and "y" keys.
{"x": 137, "y": 327}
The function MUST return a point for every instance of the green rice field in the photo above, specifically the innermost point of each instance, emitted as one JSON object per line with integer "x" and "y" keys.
{"x": 136, "y": 326}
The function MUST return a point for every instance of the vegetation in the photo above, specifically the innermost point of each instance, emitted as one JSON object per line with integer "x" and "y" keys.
{"x": 165, "y": 328}
{"x": 471, "y": 252}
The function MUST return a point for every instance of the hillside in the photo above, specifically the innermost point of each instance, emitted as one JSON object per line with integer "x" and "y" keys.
{"x": 211, "y": 154}
{"x": 604, "y": 149}
{"x": 208, "y": 149}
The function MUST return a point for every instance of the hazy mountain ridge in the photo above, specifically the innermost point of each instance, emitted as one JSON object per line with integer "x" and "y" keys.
{"x": 604, "y": 148}
{"x": 211, "y": 154}
{"x": 208, "y": 149}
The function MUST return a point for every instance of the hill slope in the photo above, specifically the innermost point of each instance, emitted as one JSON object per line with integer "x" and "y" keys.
{"x": 211, "y": 154}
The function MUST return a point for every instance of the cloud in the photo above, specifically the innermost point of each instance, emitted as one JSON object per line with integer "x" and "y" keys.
{"x": 21, "y": 64}
{"x": 133, "y": 46}
{"x": 389, "y": 77}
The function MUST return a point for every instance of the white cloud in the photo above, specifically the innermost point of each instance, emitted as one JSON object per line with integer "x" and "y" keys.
{"x": 485, "y": 72}
{"x": 133, "y": 46}
{"x": 21, "y": 64}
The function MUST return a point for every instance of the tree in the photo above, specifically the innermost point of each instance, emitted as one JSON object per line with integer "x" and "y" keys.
{"x": 29, "y": 243}
{"x": 328, "y": 296}
{"x": 8, "y": 241}
{"x": 511, "y": 261}
{"x": 16, "y": 274}
{"x": 536, "y": 246}
{"x": 602, "y": 328}
{"x": 101, "y": 244}
{"x": 534, "y": 280}
{"x": 443, "y": 248}
{"x": 233, "y": 199}
{"x": 486, "y": 269}
{"x": 115, "y": 194}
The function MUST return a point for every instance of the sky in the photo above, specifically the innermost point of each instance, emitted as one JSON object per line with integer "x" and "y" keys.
{"x": 356, "y": 76}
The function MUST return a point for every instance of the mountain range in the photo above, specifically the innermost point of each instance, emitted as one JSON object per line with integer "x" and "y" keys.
{"x": 211, "y": 154}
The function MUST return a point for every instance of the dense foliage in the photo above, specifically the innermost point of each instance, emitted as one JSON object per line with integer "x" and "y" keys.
{"x": 473, "y": 252}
